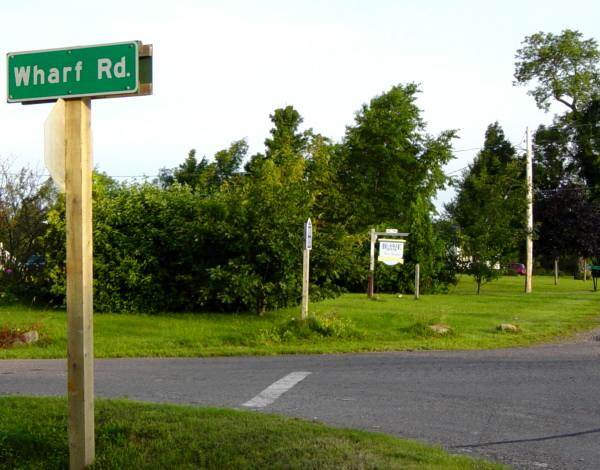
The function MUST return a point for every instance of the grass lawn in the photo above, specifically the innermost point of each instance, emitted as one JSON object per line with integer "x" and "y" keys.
{"x": 348, "y": 323}
{"x": 135, "y": 435}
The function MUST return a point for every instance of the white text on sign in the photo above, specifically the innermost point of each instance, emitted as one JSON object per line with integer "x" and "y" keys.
{"x": 35, "y": 75}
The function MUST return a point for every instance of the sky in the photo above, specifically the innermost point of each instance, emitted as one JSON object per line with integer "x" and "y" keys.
{"x": 221, "y": 67}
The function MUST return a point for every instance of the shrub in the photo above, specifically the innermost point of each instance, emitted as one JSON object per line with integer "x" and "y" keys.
{"x": 328, "y": 325}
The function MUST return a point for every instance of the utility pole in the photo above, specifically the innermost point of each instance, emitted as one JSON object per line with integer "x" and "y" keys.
{"x": 529, "y": 242}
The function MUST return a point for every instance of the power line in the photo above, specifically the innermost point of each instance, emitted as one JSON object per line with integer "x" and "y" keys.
{"x": 556, "y": 190}
{"x": 456, "y": 171}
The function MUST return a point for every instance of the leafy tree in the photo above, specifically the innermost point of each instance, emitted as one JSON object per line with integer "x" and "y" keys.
{"x": 191, "y": 170}
{"x": 147, "y": 247}
{"x": 24, "y": 202}
{"x": 389, "y": 171}
{"x": 586, "y": 144}
{"x": 569, "y": 221}
{"x": 564, "y": 67}
{"x": 553, "y": 165}
{"x": 264, "y": 214}
{"x": 228, "y": 162}
{"x": 489, "y": 207}
{"x": 286, "y": 139}
{"x": 205, "y": 177}
{"x": 389, "y": 160}
{"x": 223, "y": 170}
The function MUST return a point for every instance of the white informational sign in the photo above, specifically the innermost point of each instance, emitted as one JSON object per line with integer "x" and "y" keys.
{"x": 308, "y": 235}
{"x": 391, "y": 252}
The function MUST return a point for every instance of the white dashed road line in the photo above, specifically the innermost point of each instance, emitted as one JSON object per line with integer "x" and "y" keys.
{"x": 275, "y": 390}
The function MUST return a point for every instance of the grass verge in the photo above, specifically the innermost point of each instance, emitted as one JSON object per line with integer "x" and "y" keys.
{"x": 135, "y": 435}
{"x": 350, "y": 323}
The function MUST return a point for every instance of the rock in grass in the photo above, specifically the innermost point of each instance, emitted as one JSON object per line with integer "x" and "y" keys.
{"x": 29, "y": 337}
{"x": 508, "y": 327}
{"x": 440, "y": 329}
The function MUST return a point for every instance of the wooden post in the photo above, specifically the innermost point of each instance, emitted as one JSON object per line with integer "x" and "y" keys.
{"x": 78, "y": 185}
{"x": 556, "y": 270}
{"x": 305, "y": 282}
{"x": 417, "y": 280}
{"x": 371, "y": 286}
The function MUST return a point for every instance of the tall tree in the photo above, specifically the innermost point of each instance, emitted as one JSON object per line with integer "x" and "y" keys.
{"x": 286, "y": 138}
{"x": 264, "y": 214}
{"x": 389, "y": 172}
{"x": 191, "y": 170}
{"x": 489, "y": 207}
{"x": 553, "y": 164}
{"x": 586, "y": 144}
{"x": 224, "y": 169}
{"x": 389, "y": 159}
{"x": 564, "y": 67}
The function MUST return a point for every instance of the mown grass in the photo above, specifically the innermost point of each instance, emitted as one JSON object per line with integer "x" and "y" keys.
{"x": 134, "y": 435}
{"x": 350, "y": 323}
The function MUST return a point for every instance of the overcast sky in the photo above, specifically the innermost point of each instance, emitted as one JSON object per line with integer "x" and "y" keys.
{"x": 221, "y": 67}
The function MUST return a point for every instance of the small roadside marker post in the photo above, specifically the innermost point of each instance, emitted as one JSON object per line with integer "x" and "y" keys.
{"x": 417, "y": 280}
{"x": 308, "y": 235}
{"x": 73, "y": 76}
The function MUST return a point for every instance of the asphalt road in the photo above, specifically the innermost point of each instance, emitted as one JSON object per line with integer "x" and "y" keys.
{"x": 530, "y": 408}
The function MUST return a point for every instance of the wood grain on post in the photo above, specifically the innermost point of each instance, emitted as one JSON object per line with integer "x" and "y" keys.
{"x": 371, "y": 282}
{"x": 305, "y": 283}
{"x": 78, "y": 184}
{"x": 417, "y": 280}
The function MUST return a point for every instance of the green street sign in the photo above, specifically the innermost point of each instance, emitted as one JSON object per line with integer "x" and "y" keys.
{"x": 108, "y": 69}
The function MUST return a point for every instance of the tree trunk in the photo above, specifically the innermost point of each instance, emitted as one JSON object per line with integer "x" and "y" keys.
{"x": 261, "y": 304}
{"x": 478, "y": 285}
{"x": 556, "y": 271}
{"x": 581, "y": 263}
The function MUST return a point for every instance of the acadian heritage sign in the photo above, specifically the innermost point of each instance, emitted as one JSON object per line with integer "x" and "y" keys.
{"x": 107, "y": 69}
{"x": 391, "y": 252}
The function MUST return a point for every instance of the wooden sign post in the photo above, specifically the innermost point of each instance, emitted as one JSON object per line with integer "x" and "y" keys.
{"x": 306, "y": 267}
{"x": 371, "y": 282}
{"x": 77, "y": 75}
{"x": 417, "y": 280}
{"x": 80, "y": 363}
{"x": 374, "y": 236}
